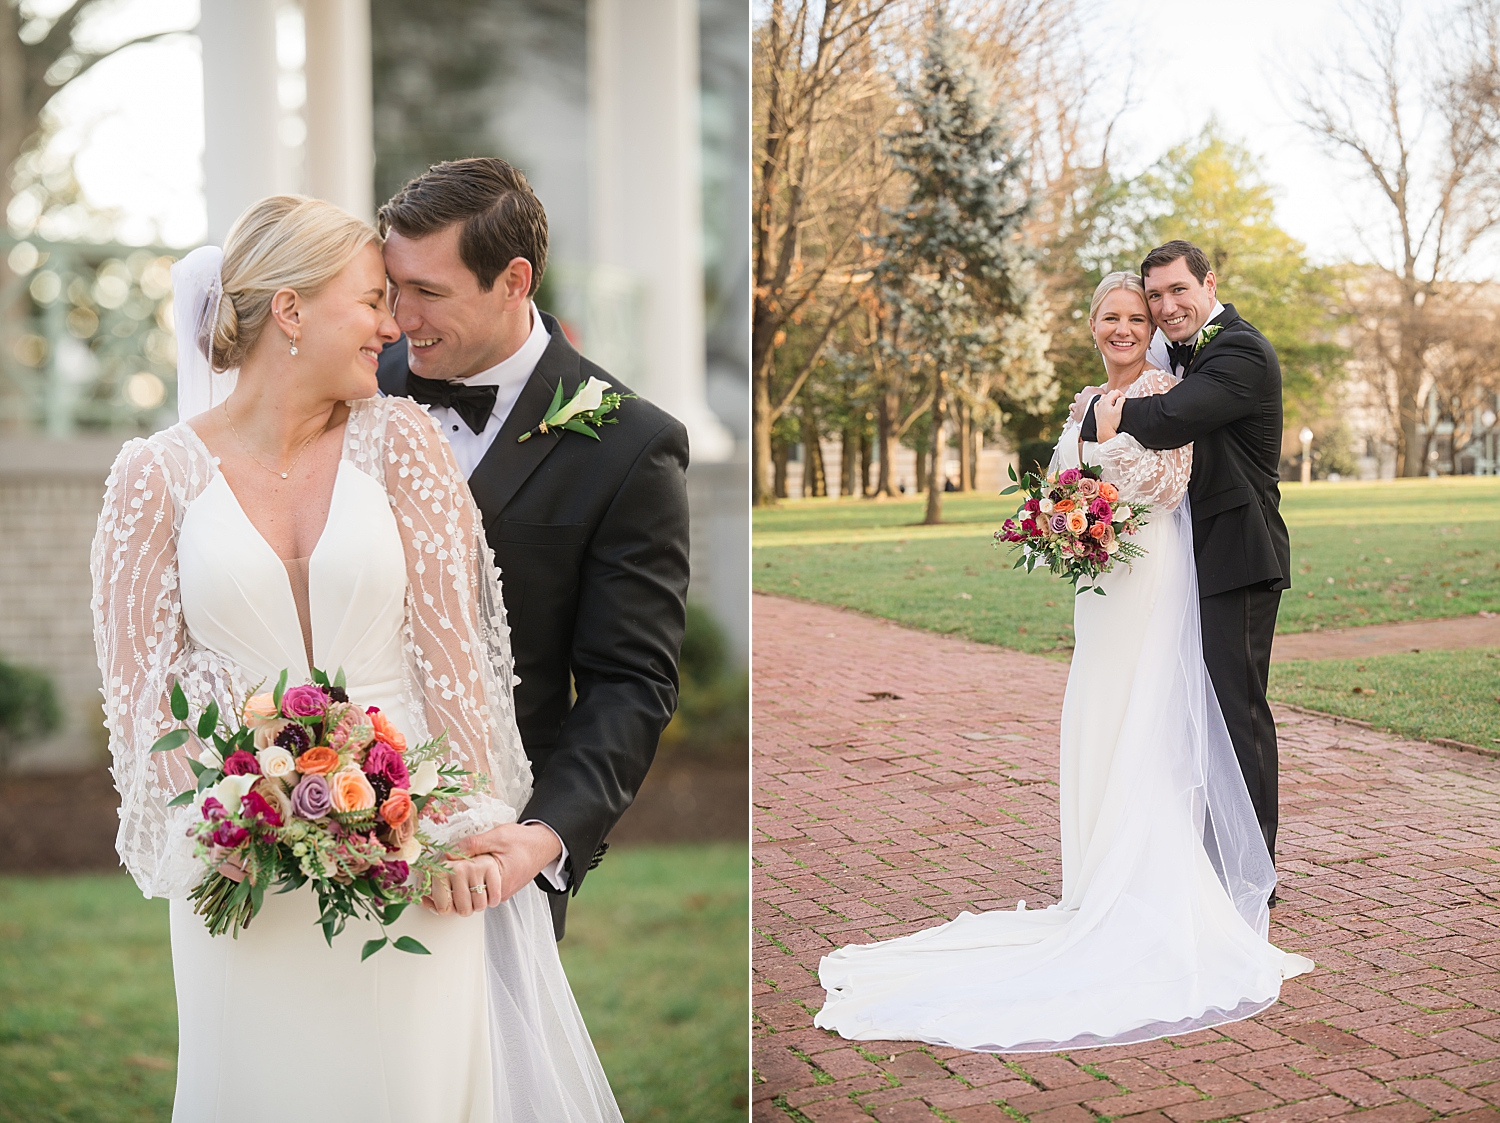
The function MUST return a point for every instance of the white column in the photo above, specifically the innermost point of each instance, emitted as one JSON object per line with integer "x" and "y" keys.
{"x": 340, "y": 151}
{"x": 242, "y": 153}
{"x": 646, "y": 194}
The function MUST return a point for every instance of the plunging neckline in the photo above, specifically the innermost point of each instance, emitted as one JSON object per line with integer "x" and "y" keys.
{"x": 238, "y": 506}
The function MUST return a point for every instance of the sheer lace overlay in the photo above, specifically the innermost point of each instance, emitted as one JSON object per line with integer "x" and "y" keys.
{"x": 458, "y": 667}
{"x": 1143, "y": 475}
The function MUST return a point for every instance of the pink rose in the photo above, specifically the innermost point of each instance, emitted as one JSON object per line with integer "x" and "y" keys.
{"x": 304, "y": 701}
{"x": 352, "y": 732}
{"x": 1070, "y": 476}
{"x": 382, "y": 760}
{"x": 1101, "y": 509}
{"x": 240, "y": 763}
{"x": 1088, "y": 487}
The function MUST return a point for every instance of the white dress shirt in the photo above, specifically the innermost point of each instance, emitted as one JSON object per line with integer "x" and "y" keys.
{"x": 1159, "y": 357}
{"x": 509, "y": 376}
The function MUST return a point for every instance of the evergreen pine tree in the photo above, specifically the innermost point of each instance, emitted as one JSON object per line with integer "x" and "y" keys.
{"x": 954, "y": 267}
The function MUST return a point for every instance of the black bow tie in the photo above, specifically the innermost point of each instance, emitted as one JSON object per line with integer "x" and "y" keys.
{"x": 1179, "y": 354}
{"x": 472, "y": 403}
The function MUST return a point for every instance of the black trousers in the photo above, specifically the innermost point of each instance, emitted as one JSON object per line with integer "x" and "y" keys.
{"x": 1237, "y": 630}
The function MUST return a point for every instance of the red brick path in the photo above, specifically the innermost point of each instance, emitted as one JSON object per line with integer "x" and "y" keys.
{"x": 876, "y": 816}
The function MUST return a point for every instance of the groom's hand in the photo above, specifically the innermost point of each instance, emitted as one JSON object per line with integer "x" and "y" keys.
{"x": 522, "y": 851}
{"x": 1081, "y": 401}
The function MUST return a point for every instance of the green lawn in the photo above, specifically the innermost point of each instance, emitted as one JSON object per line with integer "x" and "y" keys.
{"x": 1453, "y": 694}
{"x": 657, "y": 949}
{"x": 1363, "y": 553}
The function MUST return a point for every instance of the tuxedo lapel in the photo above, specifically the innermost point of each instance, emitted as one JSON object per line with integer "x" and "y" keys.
{"x": 509, "y": 461}
{"x": 1222, "y": 320}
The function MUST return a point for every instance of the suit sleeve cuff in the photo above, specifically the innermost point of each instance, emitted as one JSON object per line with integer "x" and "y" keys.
{"x": 1089, "y": 430}
{"x": 554, "y": 874}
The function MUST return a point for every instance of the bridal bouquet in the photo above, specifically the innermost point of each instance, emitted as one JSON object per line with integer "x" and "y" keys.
{"x": 305, "y": 787}
{"x": 1073, "y": 523}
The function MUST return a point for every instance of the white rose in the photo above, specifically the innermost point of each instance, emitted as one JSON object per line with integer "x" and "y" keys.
{"x": 1046, "y": 506}
{"x": 410, "y": 850}
{"x": 1122, "y": 512}
{"x": 276, "y": 762}
{"x": 229, "y": 791}
{"x": 265, "y": 735}
{"x": 425, "y": 778}
{"x": 1112, "y": 548}
{"x": 586, "y": 399}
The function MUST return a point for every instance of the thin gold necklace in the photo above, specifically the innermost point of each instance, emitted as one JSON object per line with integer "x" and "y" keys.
{"x": 300, "y": 453}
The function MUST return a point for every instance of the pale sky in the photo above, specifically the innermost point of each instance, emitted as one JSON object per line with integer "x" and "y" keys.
{"x": 136, "y": 119}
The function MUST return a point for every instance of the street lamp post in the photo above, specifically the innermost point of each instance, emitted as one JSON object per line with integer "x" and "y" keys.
{"x": 1307, "y": 436}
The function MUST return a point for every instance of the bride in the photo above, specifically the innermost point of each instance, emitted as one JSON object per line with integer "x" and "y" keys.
{"x": 1161, "y": 928}
{"x": 294, "y": 519}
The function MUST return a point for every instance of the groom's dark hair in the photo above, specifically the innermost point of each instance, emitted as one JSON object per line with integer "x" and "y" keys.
{"x": 1168, "y": 252}
{"x": 501, "y": 217}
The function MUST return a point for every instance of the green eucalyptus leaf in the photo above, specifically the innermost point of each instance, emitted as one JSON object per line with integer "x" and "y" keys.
{"x": 338, "y": 679}
{"x": 371, "y": 947}
{"x": 406, "y": 943}
{"x": 280, "y": 690}
{"x": 169, "y": 741}
{"x": 182, "y": 799}
{"x": 209, "y": 721}
{"x": 179, "y": 702}
{"x": 574, "y": 425}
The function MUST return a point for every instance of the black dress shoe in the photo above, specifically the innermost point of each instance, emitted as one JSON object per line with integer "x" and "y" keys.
{"x": 1271, "y": 900}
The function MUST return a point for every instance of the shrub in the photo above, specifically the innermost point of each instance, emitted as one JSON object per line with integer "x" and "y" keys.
{"x": 28, "y": 708}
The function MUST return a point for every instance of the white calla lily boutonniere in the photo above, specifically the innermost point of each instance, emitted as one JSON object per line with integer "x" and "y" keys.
{"x": 590, "y": 406}
{"x": 1206, "y": 336}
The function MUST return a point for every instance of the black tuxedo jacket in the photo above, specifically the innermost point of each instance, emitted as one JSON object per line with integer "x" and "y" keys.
{"x": 1228, "y": 406}
{"x": 591, "y": 538}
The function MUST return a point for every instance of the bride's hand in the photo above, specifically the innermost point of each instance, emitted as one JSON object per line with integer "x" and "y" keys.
{"x": 1081, "y": 402}
{"x": 471, "y": 885}
{"x": 1107, "y": 414}
{"x": 232, "y": 870}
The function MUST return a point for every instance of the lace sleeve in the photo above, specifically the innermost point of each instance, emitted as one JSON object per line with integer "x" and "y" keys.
{"x": 459, "y": 642}
{"x": 144, "y": 648}
{"x": 1146, "y": 475}
{"x": 1066, "y": 453}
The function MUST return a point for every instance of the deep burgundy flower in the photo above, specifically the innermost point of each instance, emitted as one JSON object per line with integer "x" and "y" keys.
{"x": 1028, "y": 526}
{"x": 384, "y": 761}
{"x": 391, "y": 874}
{"x": 241, "y": 763}
{"x": 254, "y": 806}
{"x": 229, "y": 836}
{"x": 337, "y": 694}
{"x": 1033, "y": 505}
{"x": 213, "y": 809}
{"x": 294, "y": 739}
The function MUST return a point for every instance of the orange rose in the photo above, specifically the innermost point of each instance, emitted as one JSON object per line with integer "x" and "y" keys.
{"x": 397, "y": 807}
{"x": 1108, "y": 491}
{"x": 351, "y": 791}
{"x": 385, "y": 731}
{"x": 319, "y": 760}
{"x": 1096, "y": 532}
{"x": 260, "y": 710}
{"x": 1063, "y": 506}
{"x": 1077, "y": 521}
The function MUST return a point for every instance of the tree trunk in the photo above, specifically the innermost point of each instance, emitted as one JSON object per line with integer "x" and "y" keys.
{"x": 814, "y": 481}
{"x": 920, "y": 484}
{"x": 866, "y": 453}
{"x": 781, "y": 452}
{"x": 965, "y": 422}
{"x": 976, "y": 442}
{"x": 763, "y": 488}
{"x": 935, "y": 467}
{"x": 849, "y": 461}
{"x": 885, "y": 487}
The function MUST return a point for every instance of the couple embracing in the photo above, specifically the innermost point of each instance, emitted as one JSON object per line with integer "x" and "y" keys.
{"x": 1167, "y": 780}
{"x": 348, "y": 470}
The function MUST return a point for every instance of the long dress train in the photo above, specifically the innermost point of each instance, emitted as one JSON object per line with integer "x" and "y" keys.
{"x": 1161, "y": 928}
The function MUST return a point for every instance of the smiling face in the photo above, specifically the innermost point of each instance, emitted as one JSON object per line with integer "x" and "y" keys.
{"x": 1180, "y": 303}
{"x": 1121, "y": 327}
{"x": 341, "y": 330}
{"x": 454, "y": 328}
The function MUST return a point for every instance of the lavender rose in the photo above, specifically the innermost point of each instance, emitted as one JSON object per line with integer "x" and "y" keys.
{"x": 311, "y": 798}
{"x": 304, "y": 701}
{"x": 1058, "y": 523}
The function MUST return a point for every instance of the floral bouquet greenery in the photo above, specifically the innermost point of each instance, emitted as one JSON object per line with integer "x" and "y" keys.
{"x": 307, "y": 788}
{"x": 1073, "y": 523}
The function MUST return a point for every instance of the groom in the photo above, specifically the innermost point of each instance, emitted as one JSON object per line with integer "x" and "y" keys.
{"x": 1228, "y": 406}
{"x": 591, "y": 537}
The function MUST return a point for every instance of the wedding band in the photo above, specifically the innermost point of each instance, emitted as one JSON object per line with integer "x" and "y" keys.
{"x": 476, "y": 889}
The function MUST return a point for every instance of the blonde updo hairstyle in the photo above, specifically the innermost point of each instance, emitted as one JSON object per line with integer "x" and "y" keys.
{"x": 1110, "y": 283}
{"x": 281, "y": 242}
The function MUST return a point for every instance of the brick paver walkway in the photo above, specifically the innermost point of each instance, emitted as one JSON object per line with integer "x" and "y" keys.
{"x": 901, "y": 777}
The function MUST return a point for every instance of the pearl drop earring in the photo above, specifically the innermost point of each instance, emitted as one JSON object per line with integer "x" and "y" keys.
{"x": 294, "y": 345}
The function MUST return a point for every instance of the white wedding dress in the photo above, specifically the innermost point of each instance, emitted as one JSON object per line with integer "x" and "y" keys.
{"x": 1161, "y": 927}
{"x": 401, "y": 595}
